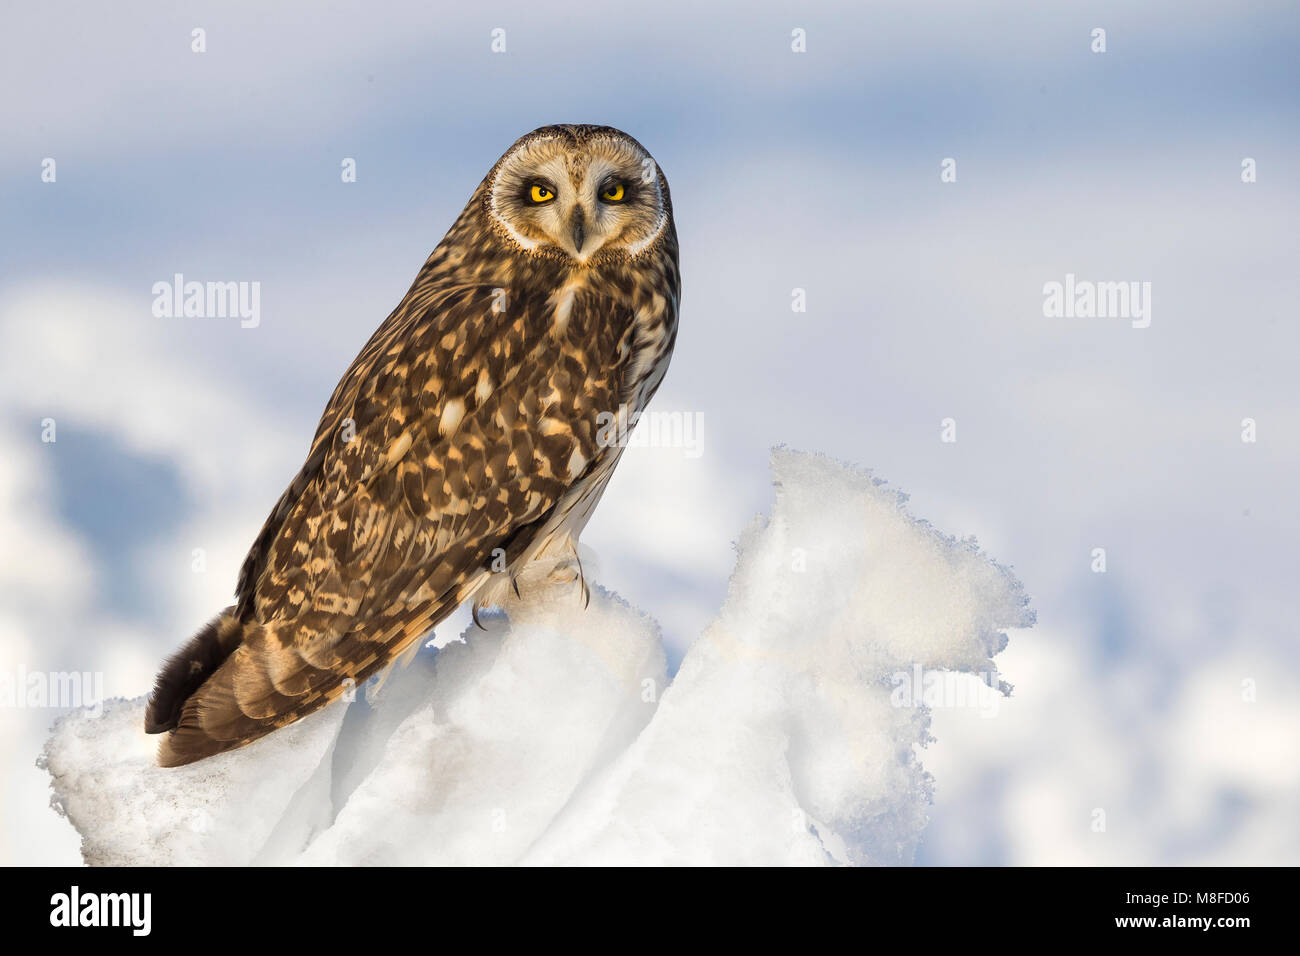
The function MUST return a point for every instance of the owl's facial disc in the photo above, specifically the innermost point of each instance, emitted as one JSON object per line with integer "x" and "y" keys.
{"x": 586, "y": 202}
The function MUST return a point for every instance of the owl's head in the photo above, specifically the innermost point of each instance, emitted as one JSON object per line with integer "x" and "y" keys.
{"x": 587, "y": 194}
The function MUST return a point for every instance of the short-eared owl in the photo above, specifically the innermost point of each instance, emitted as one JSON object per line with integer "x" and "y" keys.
{"x": 467, "y": 439}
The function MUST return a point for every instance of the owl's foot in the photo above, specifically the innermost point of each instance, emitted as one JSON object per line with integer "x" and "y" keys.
{"x": 569, "y": 570}
{"x": 563, "y": 574}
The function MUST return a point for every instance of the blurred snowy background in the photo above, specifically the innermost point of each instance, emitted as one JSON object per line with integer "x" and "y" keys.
{"x": 1164, "y": 693}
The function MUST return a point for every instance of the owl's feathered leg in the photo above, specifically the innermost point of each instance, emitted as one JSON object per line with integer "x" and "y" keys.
{"x": 570, "y": 569}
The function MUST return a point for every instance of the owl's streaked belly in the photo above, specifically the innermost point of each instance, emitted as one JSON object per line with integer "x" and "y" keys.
{"x": 652, "y": 341}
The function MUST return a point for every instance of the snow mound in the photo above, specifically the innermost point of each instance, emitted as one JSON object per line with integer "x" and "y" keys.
{"x": 129, "y": 811}
{"x": 515, "y": 719}
{"x": 788, "y": 736}
{"x": 780, "y": 739}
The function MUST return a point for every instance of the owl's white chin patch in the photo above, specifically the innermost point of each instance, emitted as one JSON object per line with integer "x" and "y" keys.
{"x": 579, "y": 258}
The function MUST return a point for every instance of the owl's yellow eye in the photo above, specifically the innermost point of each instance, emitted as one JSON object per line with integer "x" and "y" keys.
{"x": 614, "y": 193}
{"x": 540, "y": 194}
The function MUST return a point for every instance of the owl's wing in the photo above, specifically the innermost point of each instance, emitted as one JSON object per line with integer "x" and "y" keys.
{"x": 455, "y": 433}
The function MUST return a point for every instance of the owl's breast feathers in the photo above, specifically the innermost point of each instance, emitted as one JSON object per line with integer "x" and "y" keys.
{"x": 473, "y": 411}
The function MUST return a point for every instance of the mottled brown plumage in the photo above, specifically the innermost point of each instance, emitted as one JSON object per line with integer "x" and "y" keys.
{"x": 468, "y": 429}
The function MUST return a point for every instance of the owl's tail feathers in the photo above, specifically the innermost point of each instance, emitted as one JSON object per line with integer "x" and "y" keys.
{"x": 238, "y": 681}
{"x": 185, "y": 671}
{"x": 221, "y": 692}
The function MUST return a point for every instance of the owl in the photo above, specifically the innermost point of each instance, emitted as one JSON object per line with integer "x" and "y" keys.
{"x": 473, "y": 435}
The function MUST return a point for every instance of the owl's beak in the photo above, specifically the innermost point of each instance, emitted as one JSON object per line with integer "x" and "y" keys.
{"x": 579, "y": 224}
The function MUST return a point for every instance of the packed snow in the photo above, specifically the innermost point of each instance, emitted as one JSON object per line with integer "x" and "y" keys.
{"x": 789, "y": 735}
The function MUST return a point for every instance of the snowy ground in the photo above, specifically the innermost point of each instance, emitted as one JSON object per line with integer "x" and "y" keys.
{"x": 789, "y": 735}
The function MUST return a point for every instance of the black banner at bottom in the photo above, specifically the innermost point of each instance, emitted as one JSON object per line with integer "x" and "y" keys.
{"x": 244, "y": 906}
